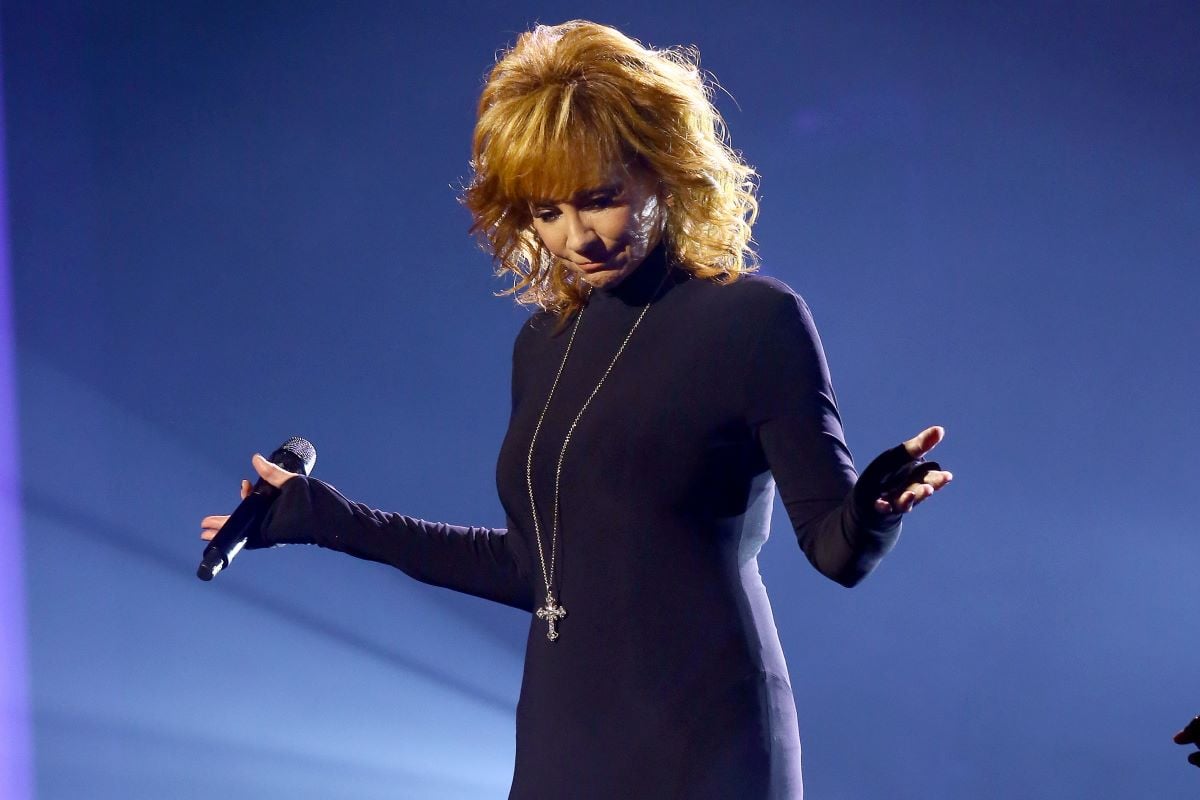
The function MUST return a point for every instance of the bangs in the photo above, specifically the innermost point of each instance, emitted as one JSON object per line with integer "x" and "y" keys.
{"x": 580, "y": 106}
{"x": 552, "y": 146}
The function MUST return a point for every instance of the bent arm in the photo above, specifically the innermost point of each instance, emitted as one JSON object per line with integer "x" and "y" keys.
{"x": 476, "y": 561}
{"x": 794, "y": 417}
{"x": 841, "y": 538}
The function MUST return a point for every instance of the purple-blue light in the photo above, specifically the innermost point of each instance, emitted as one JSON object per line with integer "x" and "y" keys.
{"x": 15, "y": 774}
{"x": 963, "y": 193}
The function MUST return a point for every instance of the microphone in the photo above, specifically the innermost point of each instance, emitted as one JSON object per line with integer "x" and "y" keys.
{"x": 295, "y": 455}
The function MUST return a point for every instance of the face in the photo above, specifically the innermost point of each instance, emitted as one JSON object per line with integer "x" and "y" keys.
{"x": 604, "y": 232}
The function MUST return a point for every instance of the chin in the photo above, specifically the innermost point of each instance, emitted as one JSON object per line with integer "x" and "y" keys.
{"x": 600, "y": 280}
{"x": 611, "y": 283}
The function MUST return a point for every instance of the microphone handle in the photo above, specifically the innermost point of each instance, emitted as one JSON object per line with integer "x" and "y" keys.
{"x": 245, "y": 521}
{"x": 247, "y": 518}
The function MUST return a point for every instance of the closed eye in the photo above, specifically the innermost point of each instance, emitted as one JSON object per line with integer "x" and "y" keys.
{"x": 601, "y": 201}
{"x": 597, "y": 200}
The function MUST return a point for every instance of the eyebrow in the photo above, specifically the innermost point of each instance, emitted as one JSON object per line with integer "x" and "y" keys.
{"x": 611, "y": 188}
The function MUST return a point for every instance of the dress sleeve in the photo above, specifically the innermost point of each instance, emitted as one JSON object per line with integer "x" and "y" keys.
{"x": 476, "y": 561}
{"x": 793, "y": 416}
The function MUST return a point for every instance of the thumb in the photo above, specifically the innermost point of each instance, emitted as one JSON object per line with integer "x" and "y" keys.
{"x": 925, "y": 441}
{"x": 273, "y": 474}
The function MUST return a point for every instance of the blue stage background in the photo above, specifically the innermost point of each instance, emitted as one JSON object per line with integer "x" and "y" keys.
{"x": 235, "y": 222}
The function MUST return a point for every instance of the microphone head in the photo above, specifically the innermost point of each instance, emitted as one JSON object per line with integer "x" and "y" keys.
{"x": 296, "y": 455}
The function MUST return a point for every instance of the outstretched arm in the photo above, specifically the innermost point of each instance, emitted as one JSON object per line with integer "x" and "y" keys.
{"x": 474, "y": 560}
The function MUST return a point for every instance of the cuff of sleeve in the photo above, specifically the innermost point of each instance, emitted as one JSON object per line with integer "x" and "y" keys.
{"x": 288, "y": 517}
{"x": 867, "y": 518}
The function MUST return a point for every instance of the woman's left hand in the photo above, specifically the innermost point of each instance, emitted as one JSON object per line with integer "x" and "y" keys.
{"x": 933, "y": 480}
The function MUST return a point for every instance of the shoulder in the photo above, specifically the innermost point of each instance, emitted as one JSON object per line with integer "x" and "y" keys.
{"x": 767, "y": 321}
{"x": 539, "y": 323}
{"x": 535, "y": 332}
{"x": 753, "y": 296}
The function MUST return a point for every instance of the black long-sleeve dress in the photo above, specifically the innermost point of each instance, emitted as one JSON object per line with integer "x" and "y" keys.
{"x": 667, "y": 679}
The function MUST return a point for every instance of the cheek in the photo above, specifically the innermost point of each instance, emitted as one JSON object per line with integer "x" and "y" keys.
{"x": 548, "y": 234}
{"x": 617, "y": 226}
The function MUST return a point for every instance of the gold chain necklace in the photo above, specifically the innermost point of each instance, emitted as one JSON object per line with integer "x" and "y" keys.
{"x": 552, "y": 612}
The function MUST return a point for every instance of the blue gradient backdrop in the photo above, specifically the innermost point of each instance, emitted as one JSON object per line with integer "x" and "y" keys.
{"x": 234, "y": 222}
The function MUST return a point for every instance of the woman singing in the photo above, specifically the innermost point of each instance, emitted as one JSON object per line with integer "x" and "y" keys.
{"x": 661, "y": 391}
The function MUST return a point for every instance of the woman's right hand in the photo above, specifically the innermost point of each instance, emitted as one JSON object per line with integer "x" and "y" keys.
{"x": 273, "y": 474}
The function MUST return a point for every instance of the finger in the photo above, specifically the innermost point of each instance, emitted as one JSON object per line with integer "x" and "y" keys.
{"x": 910, "y": 497}
{"x": 215, "y": 521}
{"x": 925, "y": 441}
{"x": 1193, "y": 729}
{"x": 208, "y": 536}
{"x": 273, "y": 474}
{"x": 1190, "y": 734}
{"x": 915, "y": 494}
{"x": 937, "y": 478}
{"x": 245, "y": 489}
{"x": 927, "y": 486}
{"x": 922, "y": 490}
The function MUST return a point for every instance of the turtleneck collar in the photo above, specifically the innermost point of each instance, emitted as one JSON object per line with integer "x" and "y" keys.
{"x": 641, "y": 285}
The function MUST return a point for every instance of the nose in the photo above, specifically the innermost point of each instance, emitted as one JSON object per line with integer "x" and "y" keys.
{"x": 581, "y": 237}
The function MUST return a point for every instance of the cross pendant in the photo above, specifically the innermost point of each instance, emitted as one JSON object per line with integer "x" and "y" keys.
{"x": 552, "y": 613}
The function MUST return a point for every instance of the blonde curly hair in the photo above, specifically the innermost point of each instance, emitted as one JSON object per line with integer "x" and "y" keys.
{"x": 564, "y": 105}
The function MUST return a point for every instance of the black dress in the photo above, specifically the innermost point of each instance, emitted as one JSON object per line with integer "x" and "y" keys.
{"x": 667, "y": 679}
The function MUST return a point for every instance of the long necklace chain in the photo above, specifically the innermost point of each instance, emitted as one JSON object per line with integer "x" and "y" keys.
{"x": 552, "y": 612}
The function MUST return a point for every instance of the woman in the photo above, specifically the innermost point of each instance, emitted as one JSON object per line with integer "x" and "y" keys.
{"x": 660, "y": 393}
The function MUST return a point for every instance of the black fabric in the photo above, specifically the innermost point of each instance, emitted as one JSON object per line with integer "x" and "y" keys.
{"x": 888, "y": 475}
{"x": 668, "y": 679}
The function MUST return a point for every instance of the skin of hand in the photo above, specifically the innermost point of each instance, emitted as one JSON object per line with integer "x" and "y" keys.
{"x": 1191, "y": 735}
{"x": 273, "y": 474}
{"x": 916, "y": 493}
